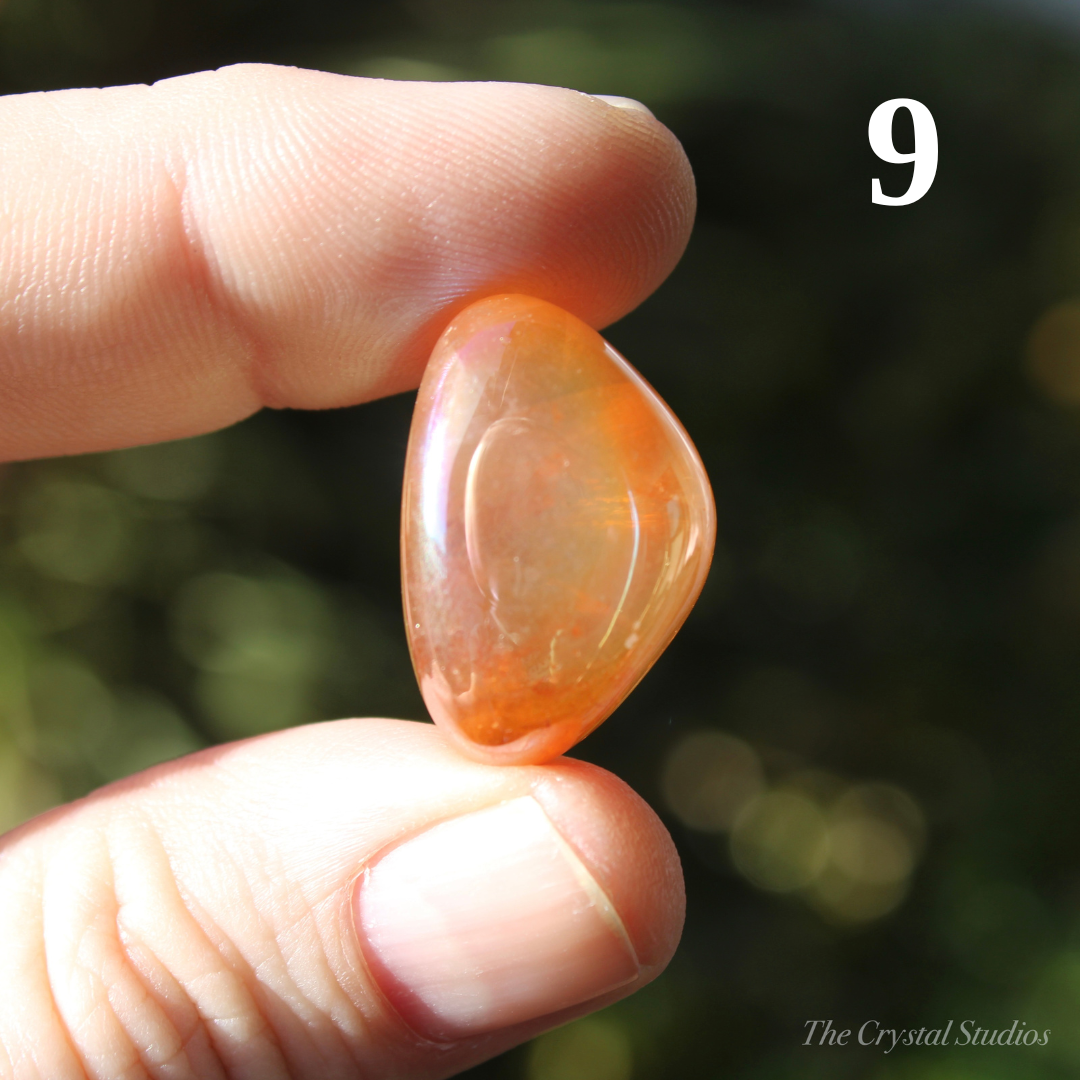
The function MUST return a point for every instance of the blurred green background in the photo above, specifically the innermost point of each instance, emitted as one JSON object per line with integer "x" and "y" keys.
{"x": 865, "y": 739}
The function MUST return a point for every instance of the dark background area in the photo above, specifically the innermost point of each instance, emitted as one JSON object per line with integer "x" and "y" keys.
{"x": 865, "y": 739}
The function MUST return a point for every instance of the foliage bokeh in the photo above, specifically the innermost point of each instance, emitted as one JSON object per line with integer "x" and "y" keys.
{"x": 865, "y": 738}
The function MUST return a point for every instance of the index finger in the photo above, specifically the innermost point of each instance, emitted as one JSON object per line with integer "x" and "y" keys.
{"x": 173, "y": 258}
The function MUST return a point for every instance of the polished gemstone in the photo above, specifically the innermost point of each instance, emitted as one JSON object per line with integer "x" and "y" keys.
{"x": 557, "y": 527}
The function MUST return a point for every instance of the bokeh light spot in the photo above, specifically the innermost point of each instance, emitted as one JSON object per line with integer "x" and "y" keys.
{"x": 173, "y": 471}
{"x": 26, "y": 789}
{"x": 261, "y": 644}
{"x": 71, "y": 710}
{"x": 876, "y": 832}
{"x": 708, "y": 778}
{"x": 780, "y": 841}
{"x": 1053, "y": 353}
{"x": 146, "y": 731}
{"x": 76, "y": 531}
{"x": 870, "y": 851}
{"x": 595, "y": 1048}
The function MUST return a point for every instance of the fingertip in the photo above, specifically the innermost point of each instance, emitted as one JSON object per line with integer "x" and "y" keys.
{"x": 616, "y": 833}
{"x": 626, "y": 847}
{"x": 489, "y": 920}
{"x": 559, "y": 899}
{"x": 425, "y": 197}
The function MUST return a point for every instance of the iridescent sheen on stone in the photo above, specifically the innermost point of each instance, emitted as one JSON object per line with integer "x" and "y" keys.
{"x": 557, "y": 527}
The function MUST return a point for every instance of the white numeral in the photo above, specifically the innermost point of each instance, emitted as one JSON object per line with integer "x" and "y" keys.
{"x": 925, "y": 155}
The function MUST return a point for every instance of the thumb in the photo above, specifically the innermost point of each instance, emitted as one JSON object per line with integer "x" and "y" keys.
{"x": 346, "y": 899}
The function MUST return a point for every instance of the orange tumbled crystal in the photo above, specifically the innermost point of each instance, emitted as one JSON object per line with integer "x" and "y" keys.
{"x": 557, "y": 527}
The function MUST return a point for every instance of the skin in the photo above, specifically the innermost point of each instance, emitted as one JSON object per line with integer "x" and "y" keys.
{"x": 172, "y": 259}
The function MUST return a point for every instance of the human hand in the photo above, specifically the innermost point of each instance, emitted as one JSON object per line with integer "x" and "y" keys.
{"x": 171, "y": 260}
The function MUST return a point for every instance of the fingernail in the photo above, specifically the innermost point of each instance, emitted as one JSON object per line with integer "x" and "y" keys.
{"x": 623, "y": 103}
{"x": 488, "y": 920}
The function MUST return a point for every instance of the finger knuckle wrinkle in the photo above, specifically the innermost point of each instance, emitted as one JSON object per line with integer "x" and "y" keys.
{"x": 208, "y": 274}
{"x": 125, "y": 1015}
